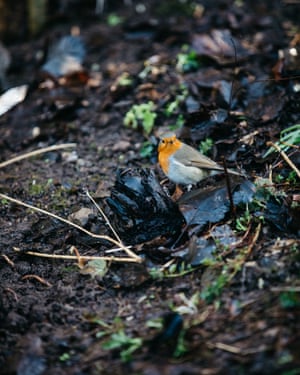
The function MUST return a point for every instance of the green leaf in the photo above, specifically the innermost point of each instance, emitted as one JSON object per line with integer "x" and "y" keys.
{"x": 126, "y": 344}
{"x": 288, "y": 137}
{"x": 146, "y": 149}
{"x": 289, "y": 300}
{"x": 143, "y": 115}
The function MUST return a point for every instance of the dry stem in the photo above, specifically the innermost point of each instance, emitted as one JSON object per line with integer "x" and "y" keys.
{"x": 130, "y": 253}
{"x": 75, "y": 257}
{"x": 104, "y": 216}
{"x": 36, "y": 152}
{"x": 285, "y": 157}
{"x": 132, "y": 256}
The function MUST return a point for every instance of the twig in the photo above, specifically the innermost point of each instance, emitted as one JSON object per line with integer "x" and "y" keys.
{"x": 254, "y": 239}
{"x": 36, "y": 152}
{"x": 9, "y": 290}
{"x": 285, "y": 157}
{"x": 103, "y": 237}
{"x": 81, "y": 262}
{"x": 75, "y": 257}
{"x": 229, "y": 190}
{"x": 234, "y": 349}
{"x": 104, "y": 216}
{"x": 167, "y": 265}
{"x": 53, "y": 148}
{"x": 235, "y": 244}
{"x": 9, "y": 261}
{"x": 292, "y": 288}
{"x": 38, "y": 278}
{"x": 227, "y": 348}
{"x": 290, "y": 145}
{"x": 275, "y": 79}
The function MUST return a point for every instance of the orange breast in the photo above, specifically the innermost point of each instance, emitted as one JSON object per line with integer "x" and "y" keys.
{"x": 166, "y": 149}
{"x": 163, "y": 159}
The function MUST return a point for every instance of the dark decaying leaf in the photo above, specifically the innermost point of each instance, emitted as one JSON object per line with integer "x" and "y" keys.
{"x": 201, "y": 250}
{"x": 211, "y": 78}
{"x": 220, "y": 45}
{"x": 129, "y": 275}
{"x": 265, "y": 107}
{"x": 201, "y": 207}
{"x": 201, "y": 124}
{"x": 142, "y": 210}
{"x": 283, "y": 215}
{"x": 166, "y": 341}
{"x": 244, "y": 192}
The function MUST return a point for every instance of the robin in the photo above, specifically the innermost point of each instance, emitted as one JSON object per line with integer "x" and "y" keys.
{"x": 183, "y": 164}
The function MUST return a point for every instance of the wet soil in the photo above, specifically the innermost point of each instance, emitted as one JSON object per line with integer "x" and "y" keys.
{"x": 54, "y": 317}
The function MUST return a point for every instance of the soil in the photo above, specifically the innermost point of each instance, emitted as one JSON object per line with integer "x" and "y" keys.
{"x": 59, "y": 317}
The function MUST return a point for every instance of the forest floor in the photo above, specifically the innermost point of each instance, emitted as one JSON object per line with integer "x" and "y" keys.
{"x": 222, "y": 300}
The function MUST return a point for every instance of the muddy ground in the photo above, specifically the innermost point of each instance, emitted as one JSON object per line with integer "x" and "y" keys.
{"x": 235, "y": 314}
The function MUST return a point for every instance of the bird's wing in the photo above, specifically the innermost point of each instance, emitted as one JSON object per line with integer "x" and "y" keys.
{"x": 192, "y": 158}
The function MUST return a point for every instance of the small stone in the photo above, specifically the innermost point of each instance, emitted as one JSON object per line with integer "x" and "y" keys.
{"x": 81, "y": 216}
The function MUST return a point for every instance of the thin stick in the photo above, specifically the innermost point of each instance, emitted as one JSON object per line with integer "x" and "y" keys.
{"x": 229, "y": 190}
{"x": 254, "y": 239}
{"x": 13, "y": 293}
{"x": 38, "y": 278}
{"x": 285, "y": 157}
{"x": 9, "y": 261}
{"x": 105, "y": 217}
{"x": 292, "y": 289}
{"x": 227, "y": 348}
{"x": 103, "y": 237}
{"x": 232, "y": 82}
{"x": 235, "y": 350}
{"x": 75, "y": 257}
{"x": 36, "y": 152}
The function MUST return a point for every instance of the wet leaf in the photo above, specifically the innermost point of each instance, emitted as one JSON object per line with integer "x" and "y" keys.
{"x": 282, "y": 214}
{"x": 202, "y": 250}
{"x": 220, "y": 45}
{"x": 130, "y": 275}
{"x": 200, "y": 207}
{"x": 201, "y": 124}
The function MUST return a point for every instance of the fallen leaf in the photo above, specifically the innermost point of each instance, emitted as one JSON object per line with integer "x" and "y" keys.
{"x": 12, "y": 97}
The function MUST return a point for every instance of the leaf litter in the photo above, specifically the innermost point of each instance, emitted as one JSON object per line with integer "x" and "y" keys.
{"x": 216, "y": 261}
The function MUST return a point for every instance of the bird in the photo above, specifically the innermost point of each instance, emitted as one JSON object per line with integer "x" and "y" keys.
{"x": 183, "y": 164}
